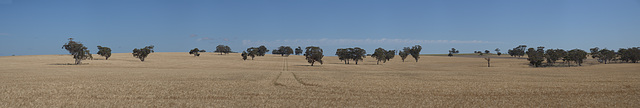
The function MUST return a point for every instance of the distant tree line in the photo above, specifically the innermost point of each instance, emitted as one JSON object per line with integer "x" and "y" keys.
{"x": 538, "y": 55}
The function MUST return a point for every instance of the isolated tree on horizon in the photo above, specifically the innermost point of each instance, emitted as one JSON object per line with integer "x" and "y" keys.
{"x": 283, "y": 50}
{"x": 357, "y": 54}
{"x": 486, "y": 51}
{"x": 380, "y": 55}
{"x": 453, "y": 51}
{"x": 498, "y": 51}
{"x": 196, "y": 52}
{"x": 223, "y": 49}
{"x": 104, "y": 51}
{"x": 244, "y": 55}
{"x": 142, "y": 53}
{"x": 298, "y": 50}
{"x": 403, "y": 54}
{"x": 313, "y": 54}
{"x": 78, "y": 51}
{"x": 415, "y": 52}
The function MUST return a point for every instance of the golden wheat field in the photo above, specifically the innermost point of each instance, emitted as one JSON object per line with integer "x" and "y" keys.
{"x": 213, "y": 80}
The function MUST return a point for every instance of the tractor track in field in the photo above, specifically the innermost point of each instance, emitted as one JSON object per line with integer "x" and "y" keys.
{"x": 288, "y": 79}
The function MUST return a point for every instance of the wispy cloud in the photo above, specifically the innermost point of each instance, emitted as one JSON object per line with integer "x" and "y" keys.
{"x": 204, "y": 38}
{"x": 193, "y": 35}
{"x": 357, "y": 42}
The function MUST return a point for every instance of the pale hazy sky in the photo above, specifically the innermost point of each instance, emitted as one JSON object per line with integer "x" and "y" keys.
{"x": 39, "y": 27}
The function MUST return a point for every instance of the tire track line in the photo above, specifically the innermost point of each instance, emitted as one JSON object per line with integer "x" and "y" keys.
{"x": 283, "y": 80}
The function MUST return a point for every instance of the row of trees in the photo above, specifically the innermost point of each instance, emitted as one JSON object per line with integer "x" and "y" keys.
{"x": 454, "y": 51}
{"x": 222, "y": 49}
{"x": 80, "y": 52}
{"x": 357, "y": 54}
{"x": 624, "y": 54}
{"x": 537, "y": 56}
{"x": 313, "y": 54}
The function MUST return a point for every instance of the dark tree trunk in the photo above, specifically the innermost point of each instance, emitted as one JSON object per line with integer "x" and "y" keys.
{"x": 106, "y": 58}
{"x": 356, "y": 62}
{"x": 312, "y": 63}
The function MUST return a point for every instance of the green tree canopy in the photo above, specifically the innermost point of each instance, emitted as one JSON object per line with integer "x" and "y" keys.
{"x": 298, "y": 50}
{"x": 78, "y": 50}
{"x": 380, "y": 55}
{"x": 223, "y": 49}
{"x": 283, "y": 50}
{"x": 344, "y": 55}
{"x": 142, "y": 53}
{"x": 104, "y": 51}
{"x": 415, "y": 52}
{"x": 577, "y": 55}
{"x": 244, "y": 55}
{"x": 252, "y": 52}
{"x": 262, "y": 50}
{"x": 403, "y": 54}
{"x": 357, "y": 54}
{"x": 313, "y": 54}
{"x": 536, "y": 56}
{"x": 196, "y": 52}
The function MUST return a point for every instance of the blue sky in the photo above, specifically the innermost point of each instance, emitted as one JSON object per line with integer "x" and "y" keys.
{"x": 41, "y": 27}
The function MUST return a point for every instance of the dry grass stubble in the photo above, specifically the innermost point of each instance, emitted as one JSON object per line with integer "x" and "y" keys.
{"x": 180, "y": 80}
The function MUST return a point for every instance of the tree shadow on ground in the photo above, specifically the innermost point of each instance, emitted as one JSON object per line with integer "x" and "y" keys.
{"x": 69, "y": 64}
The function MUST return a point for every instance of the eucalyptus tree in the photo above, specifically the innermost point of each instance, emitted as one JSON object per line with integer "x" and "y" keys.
{"x": 104, "y": 51}
{"x": 78, "y": 51}
{"x": 196, "y": 51}
{"x": 313, "y": 54}
{"x": 380, "y": 54}
{"x": 142, "y": 53}
{"x": 415, "y": 52}
{"x": 298, "y": 50}
{"x": 577, "y": 56}
{"x": 453, "y": 51}
{"x": 357, "y": 54}
{"x": 344, "y": 55}
{"x": 535, "y": 56}
{"x": 223, "y": 49}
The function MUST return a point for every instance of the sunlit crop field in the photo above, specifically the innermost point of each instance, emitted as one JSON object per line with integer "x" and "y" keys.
{"x": 213, "y": 80}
